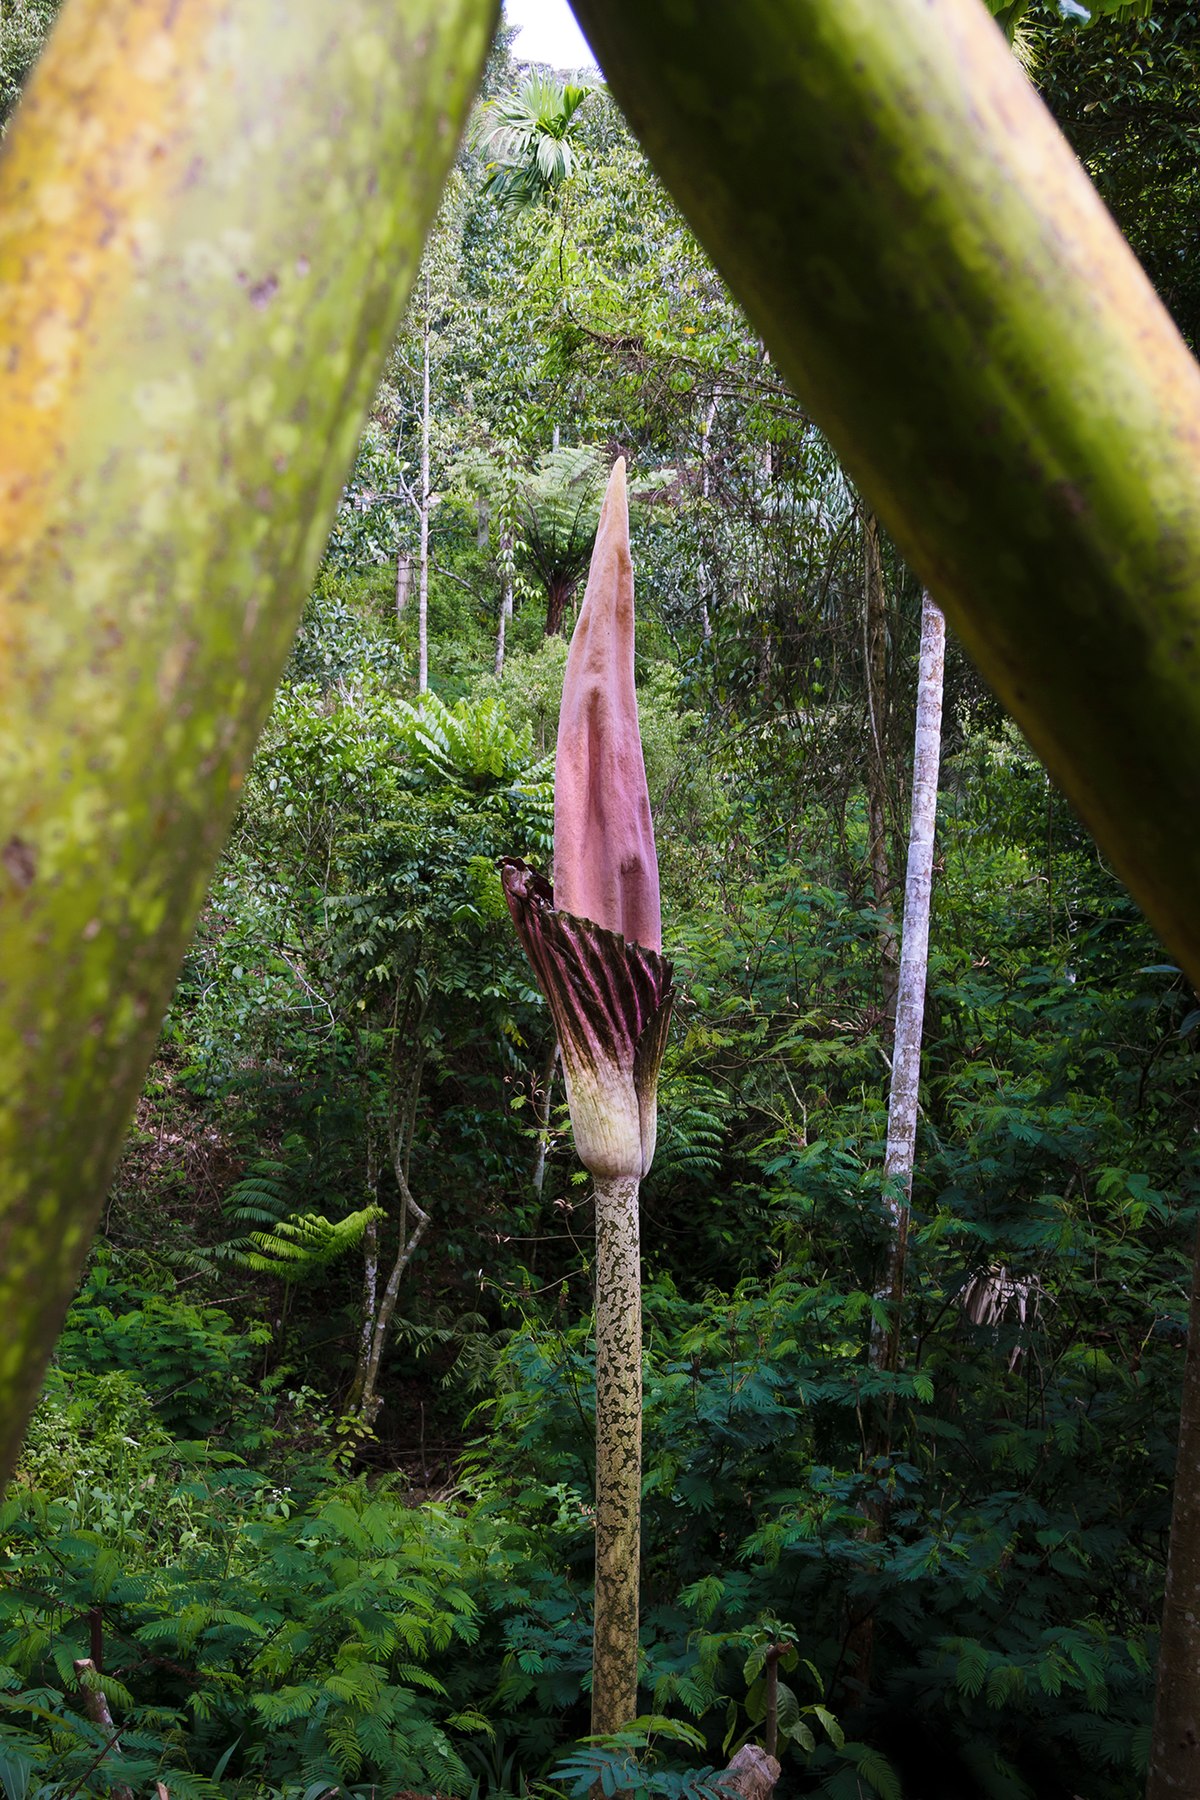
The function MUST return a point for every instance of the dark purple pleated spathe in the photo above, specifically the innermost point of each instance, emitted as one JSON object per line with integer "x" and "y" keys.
{"x": 611, "y": 1004}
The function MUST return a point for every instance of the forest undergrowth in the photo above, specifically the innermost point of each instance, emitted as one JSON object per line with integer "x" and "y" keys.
{"x": 279, "y": 1597}
{"x": 306, "y": 1508}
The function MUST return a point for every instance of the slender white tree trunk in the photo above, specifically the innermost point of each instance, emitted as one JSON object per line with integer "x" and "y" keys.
{"x": 506, "y": 600}
{"x": 403, "y": 580}
{"x": 370, "y": 1287}
{"x": 914, "y": 957}
{"x": 413, "y": 1222}
{"x": 618, "y": 1453}
{"x": 898, "y": 1160}
{"x": 423, "y": 578}
{"x": 506, "y": 536}
{"x": 379, "y": 1307}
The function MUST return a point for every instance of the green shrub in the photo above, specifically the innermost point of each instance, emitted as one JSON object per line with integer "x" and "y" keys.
{"x": 191, "y": 1361}
{"x": 280, "y": 1646}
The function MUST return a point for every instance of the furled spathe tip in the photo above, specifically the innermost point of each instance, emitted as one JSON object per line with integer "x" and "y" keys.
{"x": 605, "y": 864}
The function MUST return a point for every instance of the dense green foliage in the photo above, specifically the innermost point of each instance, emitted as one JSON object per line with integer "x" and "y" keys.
{"x": 24, "y": 27}
{"x": 289, "y": 1590}
{"x": 1127, "y": 93}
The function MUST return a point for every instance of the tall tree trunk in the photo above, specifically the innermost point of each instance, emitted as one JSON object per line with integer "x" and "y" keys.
{"x": 413, "y": 1222}
{"x": 557, "y": 595}
{"x": 370, "y": 1287}
{"x": 403, "y": 580}
{"x": 618, "y": 1453}
{"x": 506, "y": 606}
{"x": 378, "y": 1309}
{"x": 875, "y": 637}
{"x": 423, "y": 576}
{"x": 1175, "y": 1740}
{"x": 506, "y": 595}
{"x": 900, "y": 1154}
{"x": 884, "y": 1352}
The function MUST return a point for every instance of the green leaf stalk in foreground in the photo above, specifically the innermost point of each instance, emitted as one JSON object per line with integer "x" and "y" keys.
{"x": 936, "y": 276}
{"x": 942, "y": 285}
{"x": 209, "y": 220}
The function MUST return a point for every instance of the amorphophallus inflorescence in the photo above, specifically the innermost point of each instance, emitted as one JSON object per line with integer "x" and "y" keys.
{"x": 595, "y": 942}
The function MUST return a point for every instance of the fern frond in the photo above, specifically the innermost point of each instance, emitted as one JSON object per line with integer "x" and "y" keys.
{"x": 306, "y": 1243}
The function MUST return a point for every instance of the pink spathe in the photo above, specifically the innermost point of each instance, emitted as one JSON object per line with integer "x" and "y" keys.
{"x": 605, "y": 865}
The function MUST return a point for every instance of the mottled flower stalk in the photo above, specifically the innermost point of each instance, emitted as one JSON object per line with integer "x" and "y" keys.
{"x": 595, "y": 942}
